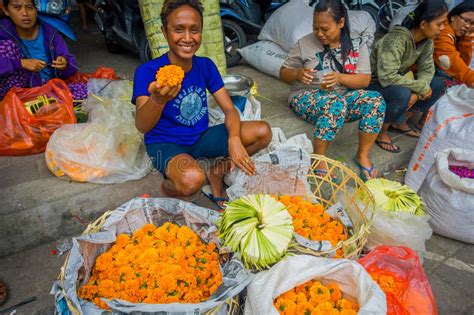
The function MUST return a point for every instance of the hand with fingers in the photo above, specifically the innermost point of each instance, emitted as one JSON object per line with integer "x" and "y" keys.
{"x": 305, "y": 76}
{"x": 427, "y": 95}
{"x": 161, "y": 95}
{"x": 60, "y": 63}
{"x": 240, "y": 158}
{"x": 33, "y": 65}
{"x": 330, "y": 80}
{"x": 413, "y": 99}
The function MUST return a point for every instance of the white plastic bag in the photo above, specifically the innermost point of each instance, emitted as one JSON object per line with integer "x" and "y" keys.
{"x": 353, "y": 280}
{"x": 108, "y": 148}
{"x": 450, "y": 125}
{"x": 127, "y": 219}
{"x": 295, "y": 19}
{"x": 265, "y": 56}
{"x": 252, "y": 111}
{"x": 449, "y": 198}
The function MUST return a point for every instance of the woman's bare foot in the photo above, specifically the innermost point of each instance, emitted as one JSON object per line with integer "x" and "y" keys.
{"x": 215, "y": 176}
{"x": 404, "y": 128}
{"x": 367, "y": 164}
{"x": 385, "y": 142}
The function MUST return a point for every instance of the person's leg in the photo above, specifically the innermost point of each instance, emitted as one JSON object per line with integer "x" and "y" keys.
{"x": 396, "y": 99}
{"x": 255, "y": 136}
{"x": 326, "y": 111}
{"x": 184, "y": 177}
{"x": 369, "y": 108}
{"x": 438, "y": 89}
{"x": 83, "y": 14}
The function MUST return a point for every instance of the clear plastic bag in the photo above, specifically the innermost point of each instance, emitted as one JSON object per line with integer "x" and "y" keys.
{"x": 108, "y": 148}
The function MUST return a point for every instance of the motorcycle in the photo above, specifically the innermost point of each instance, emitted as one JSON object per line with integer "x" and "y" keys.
{"x": 121, "y": 24}
{"x": 56, "y": 13}
{"x": 242, "y": 21}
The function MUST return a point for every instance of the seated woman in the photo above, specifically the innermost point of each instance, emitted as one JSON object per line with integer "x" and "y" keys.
{"x": 343, "y": 67}
{"x": 453, "y": 47}
{"x": 392, "y": 58}
{"x": 175, "y": 119}
{"x": 31, "y": 53}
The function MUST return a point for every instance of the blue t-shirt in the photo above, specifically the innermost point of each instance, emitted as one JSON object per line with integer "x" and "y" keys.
{"x": 185, "y": 117}
{"x": 37, "y": 50}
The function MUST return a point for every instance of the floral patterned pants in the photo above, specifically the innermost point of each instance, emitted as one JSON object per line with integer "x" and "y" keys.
{"x": 328, "y": 110}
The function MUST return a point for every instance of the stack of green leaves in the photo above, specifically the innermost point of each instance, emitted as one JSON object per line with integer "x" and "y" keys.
{"x": 393, "y": 196}
{"x": 259, "y": 228}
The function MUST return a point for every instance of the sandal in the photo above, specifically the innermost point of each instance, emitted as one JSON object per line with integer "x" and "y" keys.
{"x": 219, "y": 201}
{"x": 364, "y": 169}
{"x": 3, "y": 293}
{"x": 323, "y": 173}
{"x": 394, "y": 148}
{"x": 405, "y": 132}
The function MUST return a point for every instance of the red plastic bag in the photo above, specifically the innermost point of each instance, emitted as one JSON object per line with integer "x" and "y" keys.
{"x": 99, "y": 73}
{"x": 29, "y": 116}
{"x": 400, "y": 275}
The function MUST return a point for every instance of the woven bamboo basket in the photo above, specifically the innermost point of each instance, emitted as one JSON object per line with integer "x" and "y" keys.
{"x": 96, "y": 226}
{"x": 327, "y": 189}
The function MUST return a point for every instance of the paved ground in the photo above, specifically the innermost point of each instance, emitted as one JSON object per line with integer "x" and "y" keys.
{"x": 449, "y": 264}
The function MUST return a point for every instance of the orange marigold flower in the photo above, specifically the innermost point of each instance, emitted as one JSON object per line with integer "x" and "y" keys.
{"x": 170, "y": 75}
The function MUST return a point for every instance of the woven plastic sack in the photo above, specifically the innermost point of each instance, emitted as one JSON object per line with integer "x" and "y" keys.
{"x": 265, "y": 56}
{"x": 351, "y": 277}
{"x": 127, "y": 219}
{"x": 24, "y": 131}
{"x": 450, "y": 199}
{"x": 415, "y": 296}
{"x": 108, "y": 148}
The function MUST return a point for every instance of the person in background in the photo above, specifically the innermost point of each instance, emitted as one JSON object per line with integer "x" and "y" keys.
{"x": 175, "y": 120}
{"x": 83, "y": 5}
{"x": 453, "y": 50}
{"x": 407, "y": 46}
{"x": 31, "y": 53}
{"x": 328, "y": 73}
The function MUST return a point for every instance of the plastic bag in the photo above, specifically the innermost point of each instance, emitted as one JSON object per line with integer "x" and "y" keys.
{"x": 351, "y": 277}
{"x": 252, "y": 111}
{"x": 127, "y": 219}
{"x": 450, "y": 199}
{"x": 450, "y": 124}
{"x": 100, "y": 73}
{"x": 29, "y": 116}
{"x": 412, "y": 293}
{"x": 108, "y": 148}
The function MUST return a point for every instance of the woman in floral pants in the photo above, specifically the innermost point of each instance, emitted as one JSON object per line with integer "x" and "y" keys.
{"x": 328, "y": 72}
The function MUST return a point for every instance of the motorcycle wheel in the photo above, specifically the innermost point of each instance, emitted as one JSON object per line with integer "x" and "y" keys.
{"x": 144, "y": 53}
{"x": 234, "y": 38}
{"x": 374, "y": 13}
{"x": 386, "y": 17}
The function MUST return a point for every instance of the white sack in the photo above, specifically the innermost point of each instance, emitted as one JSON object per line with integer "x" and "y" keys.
{"x": 450, "y": 125}
{"x": 265, "y": 56}
{"x": 295, "y": 19}
{"x": 450, "y": 198}
{"x": 353, "y": 280}
{"x": 252, "y": 111}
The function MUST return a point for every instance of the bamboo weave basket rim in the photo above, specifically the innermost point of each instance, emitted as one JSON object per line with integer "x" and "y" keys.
{"x": 353, "y": 245}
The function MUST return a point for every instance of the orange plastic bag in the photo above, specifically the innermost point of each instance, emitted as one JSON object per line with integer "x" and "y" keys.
{"x": 99, "y": 73}
{"x": 400, "y": 275}
{"x": 29, "y": 116}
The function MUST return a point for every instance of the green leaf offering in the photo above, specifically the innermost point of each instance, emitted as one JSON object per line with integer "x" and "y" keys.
{"x": 259, "y": 228}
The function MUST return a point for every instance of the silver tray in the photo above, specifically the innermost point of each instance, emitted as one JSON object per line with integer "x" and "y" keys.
{"x": 237, "y": 84}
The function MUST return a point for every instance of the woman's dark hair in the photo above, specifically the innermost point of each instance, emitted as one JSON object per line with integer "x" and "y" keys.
{"x": 6, "y": 2}
{"x": 466, "y": 6}
{"x": 171, "y": 5}
{"x": 427, "y": 11}
{"x": 338, "y": 11}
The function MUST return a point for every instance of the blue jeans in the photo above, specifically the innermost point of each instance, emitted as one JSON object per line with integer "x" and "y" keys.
{"x": 397, "y": 98}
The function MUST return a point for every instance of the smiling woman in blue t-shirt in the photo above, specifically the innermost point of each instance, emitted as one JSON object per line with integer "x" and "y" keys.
{"x": 175, "y": 119}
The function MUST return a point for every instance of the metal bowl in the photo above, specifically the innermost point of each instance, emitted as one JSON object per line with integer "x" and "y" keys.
{"x": 237, "y": 85}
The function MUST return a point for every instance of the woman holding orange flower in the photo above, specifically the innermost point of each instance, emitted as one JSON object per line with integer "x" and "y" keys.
{"x": 175, "y": 118}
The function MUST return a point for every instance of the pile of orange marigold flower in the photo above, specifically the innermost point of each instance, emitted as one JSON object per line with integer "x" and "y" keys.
{"x": 311, "y": 221}
{"x": 170, "y": 75}
{"x": 157, "y": 266}
{"x": 313, "y": 297}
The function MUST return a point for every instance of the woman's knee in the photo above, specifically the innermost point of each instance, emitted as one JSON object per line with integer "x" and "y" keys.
{"x": 191, "y": 181}
{"x": 256, "y": 132}
{"x": 264, "y": 133}
{"x": 437, "y": 86}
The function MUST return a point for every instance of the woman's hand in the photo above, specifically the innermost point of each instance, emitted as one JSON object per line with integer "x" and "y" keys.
{"x": 413, "y": 99}
{"x": 331, "y": 79}
{"x": 240, "y": 157}
{"x": 305, "y": 76}
{"x": 427, "y": 95}
{"x": 33, "y": 65}
{"x": 60, "y": 63}
{"x": 162, "y": 95}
